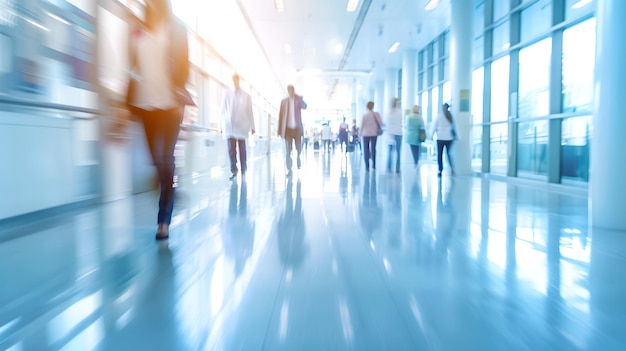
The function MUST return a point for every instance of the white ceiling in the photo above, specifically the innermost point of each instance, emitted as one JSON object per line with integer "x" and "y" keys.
{"x": 321, "y": 65}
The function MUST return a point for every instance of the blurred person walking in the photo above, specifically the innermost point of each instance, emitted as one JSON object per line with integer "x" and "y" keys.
{"x": 371, "y": 128}
{"x": 238, "y": 122}
{"x": 343, "y": 134}
{"x": 156, "y": 94}
{"x": 327, "y": 137}
{"x": 415, "y": 132}
{"x": 290, "y": 125}
{"x": 446, "y": 134}
{"x": 393, "y": 129}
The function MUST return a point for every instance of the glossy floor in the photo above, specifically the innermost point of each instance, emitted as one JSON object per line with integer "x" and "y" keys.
{"x": 333, "y": 258}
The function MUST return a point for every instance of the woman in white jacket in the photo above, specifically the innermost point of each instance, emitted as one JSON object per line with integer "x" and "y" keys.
{"x": 446, "y": 134}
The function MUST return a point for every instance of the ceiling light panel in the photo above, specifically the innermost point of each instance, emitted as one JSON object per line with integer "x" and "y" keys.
{"x": 394, "y": 47}
{"x": 352, "y": 5}
{"x": 432, "y": 4}
{"x": 280, "y": 5}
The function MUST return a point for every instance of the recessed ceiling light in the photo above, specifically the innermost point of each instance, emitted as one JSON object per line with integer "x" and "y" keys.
{"x": 352, "y": 5}
{"x": 432, "y": 4}
{"x": 394, "y": 47}
{"x": 581, "y": 3}
{"x": 280, "y": 5}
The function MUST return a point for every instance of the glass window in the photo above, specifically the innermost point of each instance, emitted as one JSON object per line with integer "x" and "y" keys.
{"x": 575, "y": 142}
{"x": 430, "y": 76}
{"x": 576, "y": 8}
{"x": 500, "y": 89}
{"x": 477, "y": 148}
{"x": 478, "y": 83}
{"x": 536, "y": 19}
{"x": 500, "y": 8}
{"x": 420, "y": 81}
{"x": 534, "y": 79}
{"x": 498, "y": 140}
{"x": 444, "y": 70}
{"x": 532, "y": 148}
{"x": 501, "y": 38}
{"x": 195, "y": 51}
{"x": 579, "y": 44}
{"x": 436, "y": 105}
{"x": 420, "y": 60}
{"x": 425, "y": 104}
{"x": 478, "y": 52}
{"x": 447, "y": 93}
{"x": 479, "y": 20}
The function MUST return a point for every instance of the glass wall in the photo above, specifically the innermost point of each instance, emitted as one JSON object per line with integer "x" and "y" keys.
{"x": 500, "y": 89}
{"x": 534, "y": 80}
{"x": 579, "y": 44}
{"x": 517, "y": 100}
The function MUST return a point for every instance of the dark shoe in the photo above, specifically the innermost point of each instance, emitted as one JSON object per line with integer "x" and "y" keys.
{"x": 289, "y": 173}
{"x": 299, "y": 163}
{"x": 439, "y": 174}
{"x": 367, "y": 169}
{"x": 163, "y": 232}
{"x": 233, "y": 176}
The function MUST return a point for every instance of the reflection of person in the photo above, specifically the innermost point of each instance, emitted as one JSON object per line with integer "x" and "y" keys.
{"x": 290, "y": 125}
{"x": 238, "y": 231}
{"x": 444, "y": 127}
{"x": 393, "y": 129}
{"x": 414, "y": 126}
{"x": 369, "y": 133}
{"x": 158, "y": 54}
{"x": 238, "y": 121}
{"x": 370, "y": 210}
{"x": 291, "y": 228}
{"x": 446, "y": 218}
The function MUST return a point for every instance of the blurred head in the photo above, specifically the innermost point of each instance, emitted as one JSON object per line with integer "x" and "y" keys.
{"x": 370, "y": 105}
{"x": 236, "y": 80}
{"x": 416, "y": 109}
{"x": 445, "y": 106}
{"x": 291, "y": 90}
{"x": 157, "y": 10}
{"x": 394, "y": 102}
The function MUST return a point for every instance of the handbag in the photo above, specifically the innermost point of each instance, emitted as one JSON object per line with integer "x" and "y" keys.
{"x": 379, "y": 130}
{"x": 422, "y": 135}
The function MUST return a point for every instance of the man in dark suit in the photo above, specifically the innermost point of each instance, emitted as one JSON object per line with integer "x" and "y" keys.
{"x": 290, "y": 125}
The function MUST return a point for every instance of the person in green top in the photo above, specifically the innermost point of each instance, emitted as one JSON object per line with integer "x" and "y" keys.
{"x": 415, "y": 132}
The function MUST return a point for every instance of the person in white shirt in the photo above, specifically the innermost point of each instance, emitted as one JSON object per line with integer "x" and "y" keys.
{"x": 238, "y": 122}
{"x": 156, "y": 94}
{"x": 327, "y": 137}
{"x": 446, "y": 134}
{"x": 393, "y": 129}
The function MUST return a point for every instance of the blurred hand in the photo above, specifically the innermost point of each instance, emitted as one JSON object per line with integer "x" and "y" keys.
{"x": 253, "y": 131}
{"x": 119, "y": 121}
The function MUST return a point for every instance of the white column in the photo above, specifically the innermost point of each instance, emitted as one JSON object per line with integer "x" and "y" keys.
{"x": 607, "y": 164}
{"x": 409, "y": 79}
{"x": 461, "y": 81}
{"x": 391, "y": 90}
{"x": 379, "y": 96}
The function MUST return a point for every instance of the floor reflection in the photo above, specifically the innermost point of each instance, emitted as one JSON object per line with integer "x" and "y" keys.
{"x": 333, "y": 257}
